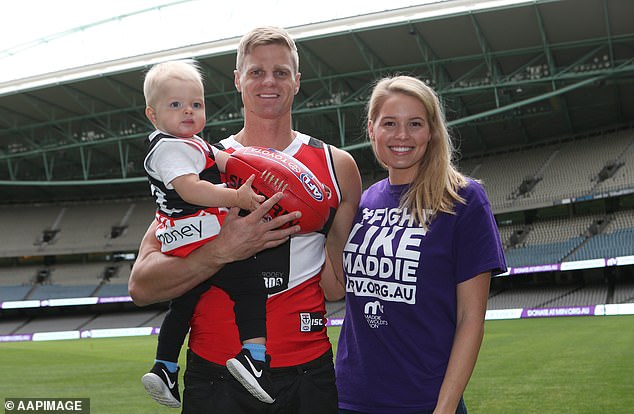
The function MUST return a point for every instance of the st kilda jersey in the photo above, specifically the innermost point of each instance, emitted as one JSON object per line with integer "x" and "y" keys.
{"x": 295, "y": 320}
{"x": 182, "y": 227}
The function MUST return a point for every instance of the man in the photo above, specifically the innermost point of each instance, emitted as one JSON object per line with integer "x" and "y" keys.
{"x": 298, "y": 269}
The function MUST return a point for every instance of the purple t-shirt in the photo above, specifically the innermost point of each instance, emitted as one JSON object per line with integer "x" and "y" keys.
{"x": 401, "y": 297}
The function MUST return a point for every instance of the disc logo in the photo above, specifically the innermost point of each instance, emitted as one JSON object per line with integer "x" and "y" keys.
{"x": 311, "y": 187}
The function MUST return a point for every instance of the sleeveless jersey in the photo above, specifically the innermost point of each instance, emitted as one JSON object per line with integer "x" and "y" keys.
{"x": 183, "y": 227}
{"x": 296, "y": 330}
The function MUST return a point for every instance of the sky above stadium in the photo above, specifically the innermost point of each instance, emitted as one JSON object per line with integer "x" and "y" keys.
{"x": 39, "y": 37}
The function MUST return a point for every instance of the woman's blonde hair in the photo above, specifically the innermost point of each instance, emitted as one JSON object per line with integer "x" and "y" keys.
{"x": 435, "y": 187}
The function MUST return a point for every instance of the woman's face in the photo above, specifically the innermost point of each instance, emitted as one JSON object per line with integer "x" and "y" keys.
{"x": 400, "y": 134}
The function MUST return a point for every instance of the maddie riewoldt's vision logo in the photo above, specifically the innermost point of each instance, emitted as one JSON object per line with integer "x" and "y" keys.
{"x": 371, "y": 311}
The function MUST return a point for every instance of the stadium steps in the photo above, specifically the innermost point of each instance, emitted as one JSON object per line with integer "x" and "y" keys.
{"x": 13, "y": 292}
{"x": 624, "y": 293}
{"x": 595, "y": 228}
{"x": 335, "y": 309}
{"x": 559, "y": 297}
{"x": 7, "y": 327}
{"x": 575, "y": 249}
{"x": 154, "y": 317}
{"x": 89, "y": 320}
{"x": 30, "y": 292}
{"x": 610, "y": 296}
{"x": 21, "y": 325}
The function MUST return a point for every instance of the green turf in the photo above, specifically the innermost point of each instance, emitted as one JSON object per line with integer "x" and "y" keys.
{"x": 570, "y": 365}
{"x": 575, "y": 365}
{"x": 108, "y": 371}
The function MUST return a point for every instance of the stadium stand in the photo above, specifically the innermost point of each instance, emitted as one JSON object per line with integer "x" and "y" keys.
{"x": 75, "y": 228}
{"x": 11, "y": 326}
{"x": 568, "y": 169}
{"x": 616, "y": 240}
{"x": 559, "y": 173}
{"x": 103, "y": 279}
{"x": 540, "y": 176}
{"x": 27, "y": 232}
{"x": 551, "y": 295}
{"x": 531, "y": 255}
{"x": 121, "y": 320}
{"x": 624, "y": 293}
{"x": 574, "y": 171}
{"x": 51, "y": 324}
{"x": 14, "y": 293}
{"x": 336, "y": 309}
{"x": 528, "y": 296}
{"x": 503, "y": 174}
{"x": 157, "y": 319}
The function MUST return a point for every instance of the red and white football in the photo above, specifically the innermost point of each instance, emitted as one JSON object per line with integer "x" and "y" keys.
{"x": 274, "y": 172}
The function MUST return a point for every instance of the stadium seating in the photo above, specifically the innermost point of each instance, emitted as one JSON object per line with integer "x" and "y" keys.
{"x": 565, "y": 170}
{"x": 574, "y": 170}
{"x": 51, "y": 324}
{"x": 502, "y": 174}
{"x": 624, "y": 293}
{"x": 11, "y": 326}
{"x": 617, "y": 243}
{"x": 537, "y": 254}
{"x": 562, "y": 171}
{"x": 65, "y": 281}
{"x": 616, "y": 240}
{"x": 74, "y": 228}
{"x": 121, "y": 320}
{"x": 336, "y": 309}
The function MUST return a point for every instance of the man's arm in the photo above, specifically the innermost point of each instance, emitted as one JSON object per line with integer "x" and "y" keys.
{"x": 332, "y": 278}
{"x": 157, "y": 277}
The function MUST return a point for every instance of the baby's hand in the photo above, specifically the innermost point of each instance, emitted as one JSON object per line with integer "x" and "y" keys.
{"x": 247, "y": 198}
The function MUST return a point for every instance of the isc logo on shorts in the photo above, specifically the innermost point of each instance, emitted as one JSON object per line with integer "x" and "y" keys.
{"x": 311, "y": 321}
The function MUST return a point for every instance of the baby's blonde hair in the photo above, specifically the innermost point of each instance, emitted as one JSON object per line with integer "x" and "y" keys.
{"x": 187, "y": 70}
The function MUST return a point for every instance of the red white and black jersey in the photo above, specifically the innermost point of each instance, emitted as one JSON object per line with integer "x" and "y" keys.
{"x": 182, "y": 227}
{"x": 296, "y": 330}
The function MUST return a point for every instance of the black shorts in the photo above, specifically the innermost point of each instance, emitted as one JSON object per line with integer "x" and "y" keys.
{"x": 305, "y": 389}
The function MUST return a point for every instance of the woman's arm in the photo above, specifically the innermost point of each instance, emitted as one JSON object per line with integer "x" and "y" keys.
{"x": 157, "y": 277}
{"x": 472, "y": 303}
{"x": 332, "y": 278}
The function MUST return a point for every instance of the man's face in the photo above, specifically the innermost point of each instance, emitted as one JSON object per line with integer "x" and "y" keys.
{"x": 267, "y": 82}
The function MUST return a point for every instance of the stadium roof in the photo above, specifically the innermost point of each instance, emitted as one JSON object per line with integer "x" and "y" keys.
{"x": 511, "y": 76}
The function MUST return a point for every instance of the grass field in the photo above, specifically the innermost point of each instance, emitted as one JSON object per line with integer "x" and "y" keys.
{"x": 570, "y": 365}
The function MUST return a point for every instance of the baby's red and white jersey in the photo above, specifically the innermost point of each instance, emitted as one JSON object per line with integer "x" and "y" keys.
{"x": 182, "y": 227}
{"x": 296, "y": 330}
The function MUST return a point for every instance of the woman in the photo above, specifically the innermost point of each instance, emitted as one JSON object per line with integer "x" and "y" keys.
{"x": 418, "y": 262}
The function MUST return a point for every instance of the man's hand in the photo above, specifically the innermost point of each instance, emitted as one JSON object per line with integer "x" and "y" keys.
{"x": 243, "y": 237}
{"x": 157, "y": 277}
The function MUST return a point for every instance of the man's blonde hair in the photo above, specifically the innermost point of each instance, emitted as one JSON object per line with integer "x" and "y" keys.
{"x": 266, "y": 35}
{"x": 187, "y": 70}
{"x": 435, "y": 187}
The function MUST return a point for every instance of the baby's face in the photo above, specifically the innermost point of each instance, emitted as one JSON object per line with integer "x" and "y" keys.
{"x": 179, "y": 109}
